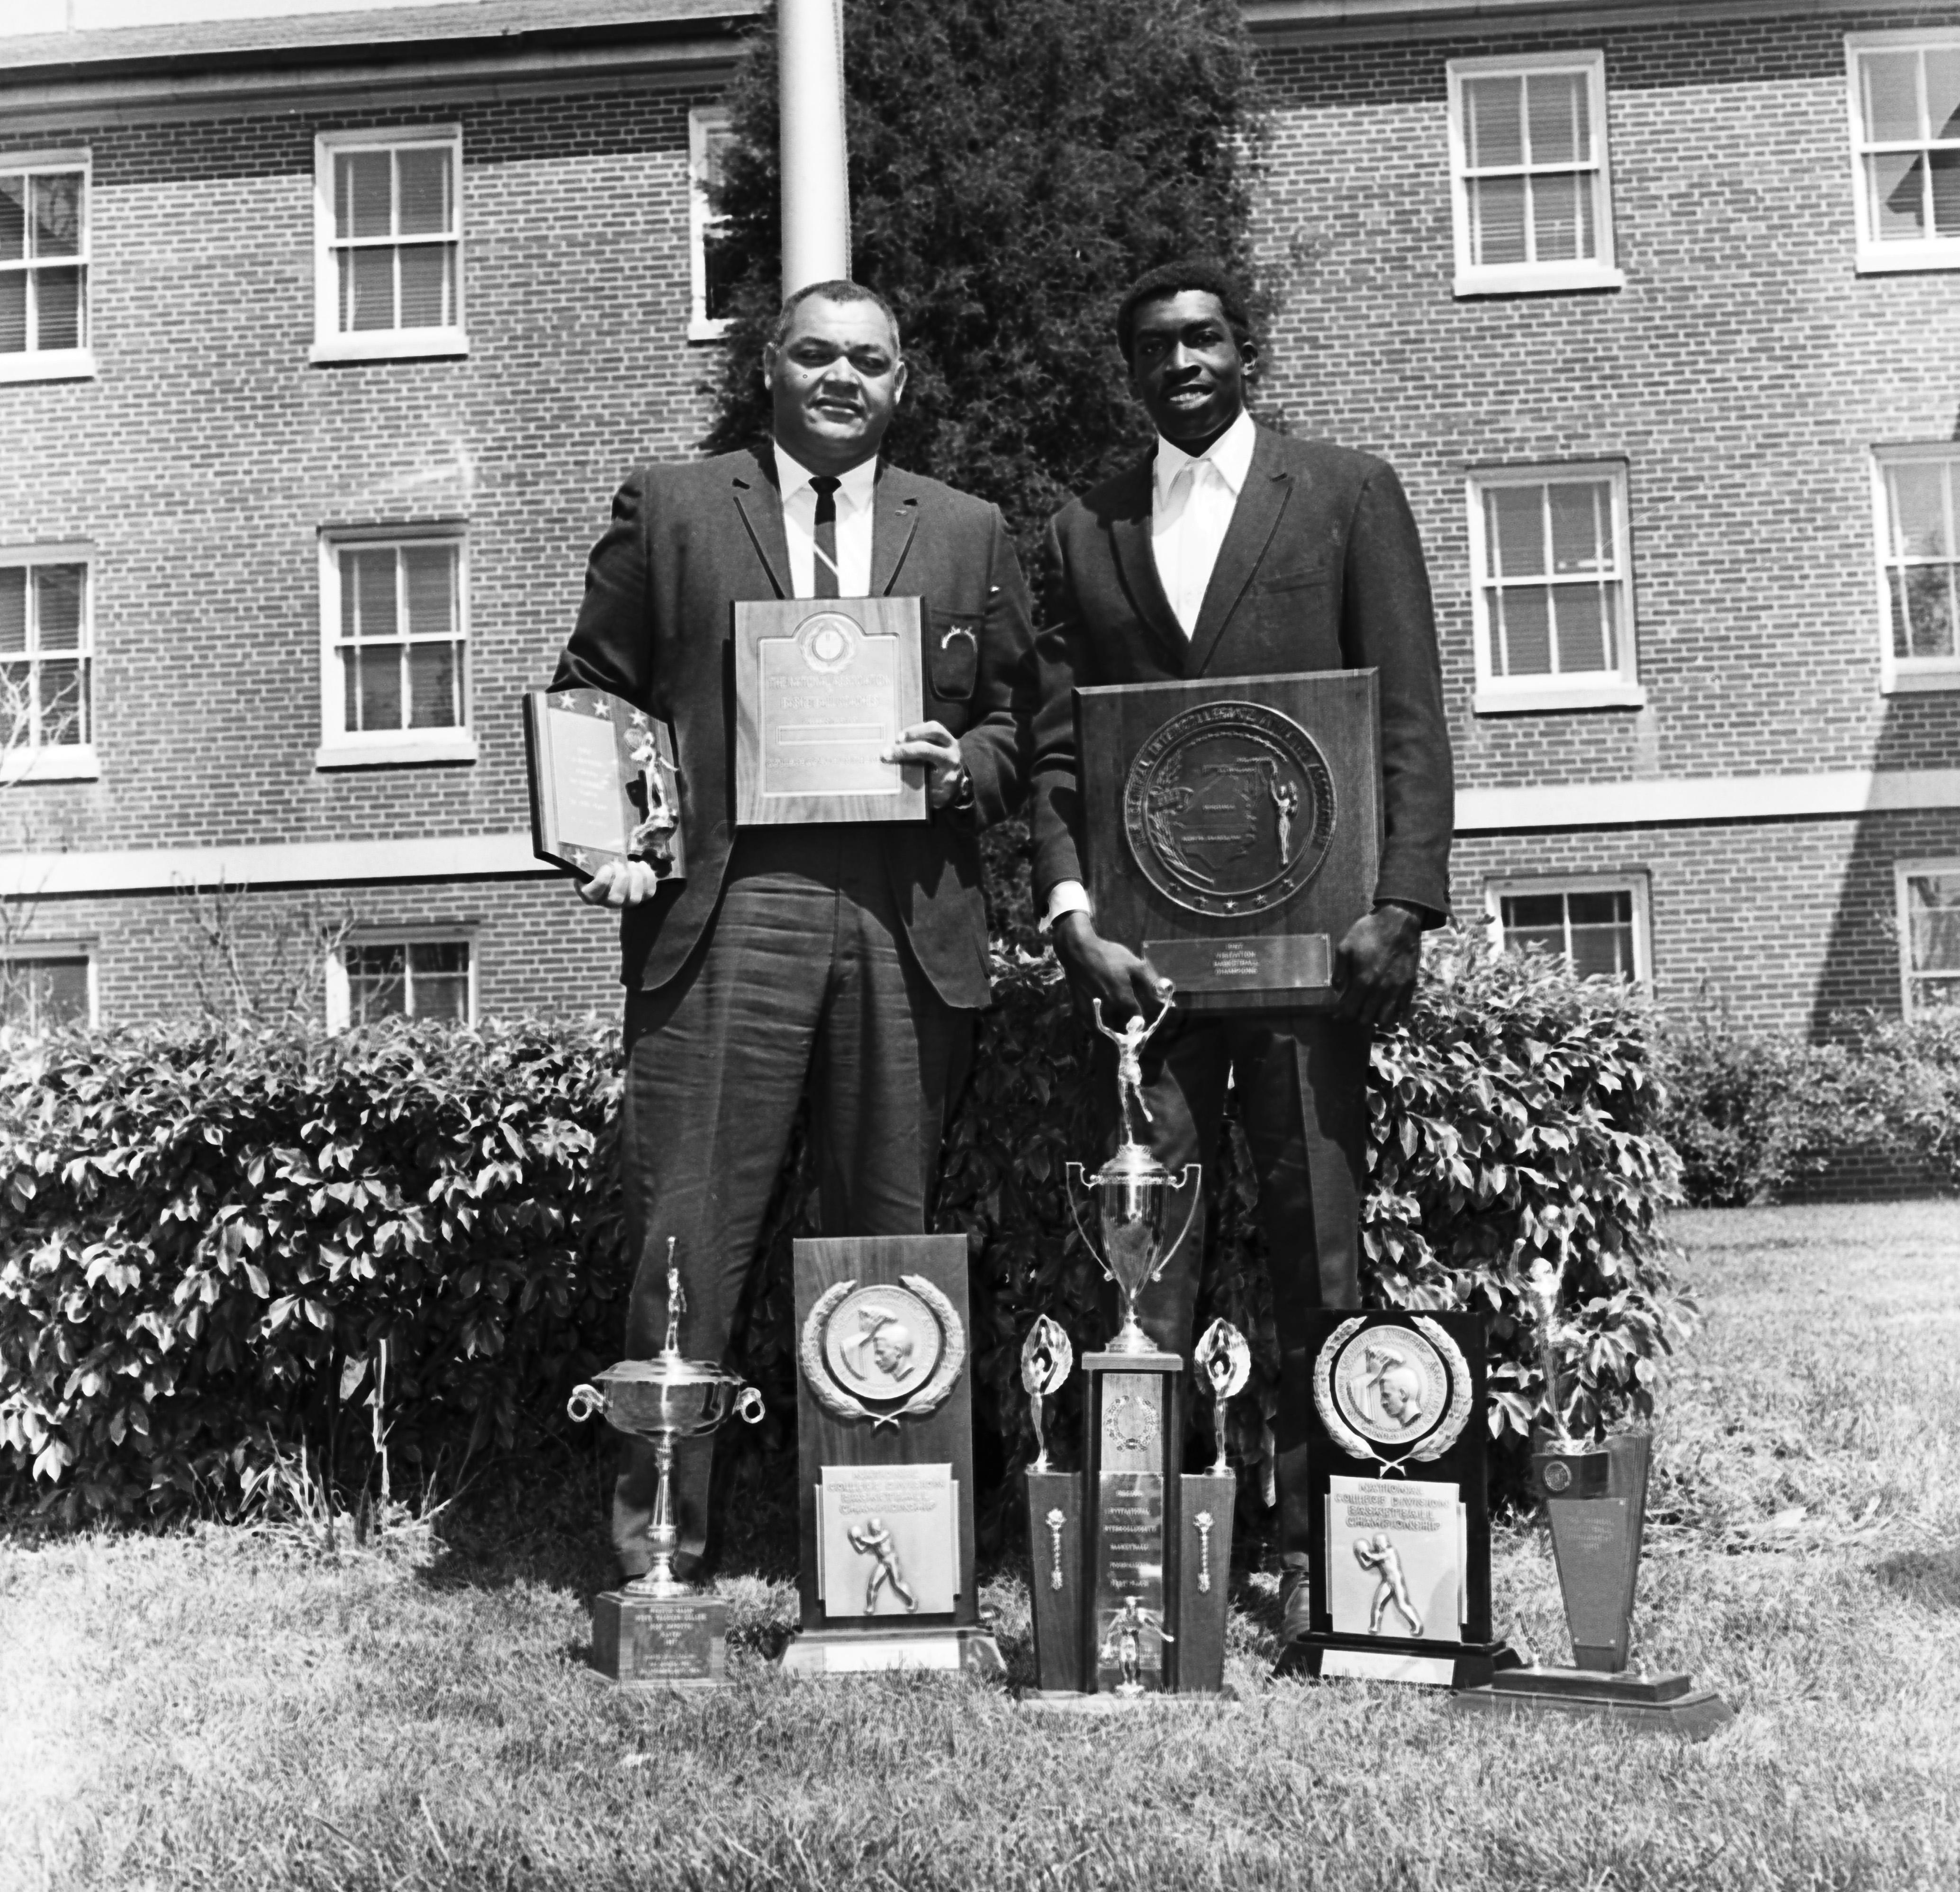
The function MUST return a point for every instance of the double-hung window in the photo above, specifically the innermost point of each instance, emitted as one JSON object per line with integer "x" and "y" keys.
{"x": 1553, "y": 588}
{"x": 415, "y": 972}
{"x": 395, "y": 678}
{"x": 44, "y": 266}
{"x": 47, "y": 650}
{"x": 1917, "y": 493}
{"x": 388, "y": 243}
{"x": 709, "y": 137}
{"x": 47, "y": 983}
{"x": 1596, "y": 923}
{"x": 1905, "y": 147}
{"x": 1530, "y": 186}
{"x": 1929, "y": 928}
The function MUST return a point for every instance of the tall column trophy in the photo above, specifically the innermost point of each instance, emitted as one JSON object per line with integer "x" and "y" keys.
{"x": 1594, "y": 1498}
{"x": 1131, "y": 1557}
{"x": 657, "y": 1631}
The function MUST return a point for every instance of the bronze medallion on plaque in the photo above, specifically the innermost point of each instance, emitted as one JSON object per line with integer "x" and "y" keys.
{"x": 1229, "y": 808}
{"x": 1407, "y": 1388}
{"x": 1231, "y": 829}
{"x": 883, "y": 1352}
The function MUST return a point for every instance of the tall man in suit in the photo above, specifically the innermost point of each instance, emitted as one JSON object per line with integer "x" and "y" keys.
{"x": 850, "y": 959}
{"x": 1232, "y": 551}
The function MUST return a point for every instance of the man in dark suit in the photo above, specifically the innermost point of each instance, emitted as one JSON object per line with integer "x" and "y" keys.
{"x": 850, "y": 959}
{"x": 1232, "y": 551}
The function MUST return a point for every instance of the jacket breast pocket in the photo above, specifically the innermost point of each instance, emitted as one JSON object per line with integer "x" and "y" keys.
{"x": 952, "y": 653}
{"x": 1295, "y": 575}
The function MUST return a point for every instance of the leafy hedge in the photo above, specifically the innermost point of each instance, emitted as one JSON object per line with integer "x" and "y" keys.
{"x": 205, "y": 1238}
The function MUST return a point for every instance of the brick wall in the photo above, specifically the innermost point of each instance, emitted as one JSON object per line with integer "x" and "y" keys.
{"x": 1743, "y": 372}
{"x": 205, "y": 456}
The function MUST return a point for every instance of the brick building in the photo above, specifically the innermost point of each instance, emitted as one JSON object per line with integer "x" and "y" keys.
{"x": 324, "y": 338}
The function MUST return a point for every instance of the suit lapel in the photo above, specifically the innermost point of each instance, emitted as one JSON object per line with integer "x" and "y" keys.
{"x": 1262, "y": 499}
{"x": 760, "y": 506}
{"x": 1130, "y": 541}
{"x": 894, "y": 515}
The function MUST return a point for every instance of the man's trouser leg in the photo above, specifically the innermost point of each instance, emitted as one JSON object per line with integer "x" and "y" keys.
{"x": 1302, "y": 1085}
{"x": 805, "y": 975}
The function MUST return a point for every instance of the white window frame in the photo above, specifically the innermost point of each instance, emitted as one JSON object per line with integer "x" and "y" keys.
{"x": 67, "y": 364}
{"x": 1529, "y": 278}
{"x": 63, "y": 761}
{"x": 330, "y": 342}
{"x": 1875, "y": 255}
{"x": 1498, "y": 886}
{"x": 1904, "y": 676}
{"x": 341, "y": 747}
{"x": 339, "y": 990}
{"x": 1584, "y": 689}
{"x": 27, "y": 951}
{"x": 703, "y": 123}
{"x": 1904, "y": 872}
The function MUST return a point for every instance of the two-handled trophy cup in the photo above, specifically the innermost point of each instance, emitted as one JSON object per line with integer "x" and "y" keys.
{"x": 657, "y": 1629}
{"x": 1130, "y": 1553}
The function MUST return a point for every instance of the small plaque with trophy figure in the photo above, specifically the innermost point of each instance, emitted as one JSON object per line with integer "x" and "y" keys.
{"x": 605, "y": 783}
{"x": 822, "y": 687}
{"x": 1399, "y": 1567}
{"x": 1131, "y": 1556}
{"x": 658, "y": 1631}
{"x": 1233, "y": 829}
{"x": 885, "y": 1459}
{"x": 1594, "y": 1491}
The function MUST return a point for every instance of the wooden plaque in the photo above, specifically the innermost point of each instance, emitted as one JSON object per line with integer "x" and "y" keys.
{"x": 822, "y": 687}
{"x": 1234, "y": 829}
{"x": 606, "y": 783}
{"x": 884, "y": 1457}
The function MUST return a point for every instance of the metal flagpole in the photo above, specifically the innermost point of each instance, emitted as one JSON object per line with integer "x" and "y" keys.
{"x": 817, "y": 197}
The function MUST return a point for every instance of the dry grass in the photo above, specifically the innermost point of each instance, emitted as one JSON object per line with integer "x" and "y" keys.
{"x": 235, "y": 1709}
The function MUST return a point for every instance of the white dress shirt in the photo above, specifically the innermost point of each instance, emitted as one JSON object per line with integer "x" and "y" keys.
{"x": 854, "y": 526}
{"x": 1192, "y": 499}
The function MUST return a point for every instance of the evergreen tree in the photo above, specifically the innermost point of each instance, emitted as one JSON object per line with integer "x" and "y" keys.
{"x": 1013, "y": 165}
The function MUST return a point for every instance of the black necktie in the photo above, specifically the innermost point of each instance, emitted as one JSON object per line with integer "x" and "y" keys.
{"x": 825, "y": 486}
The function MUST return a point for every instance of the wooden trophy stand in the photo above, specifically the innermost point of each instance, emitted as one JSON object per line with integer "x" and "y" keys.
{"x": 1595, "y": 1504}
{"x": 1400, "y": 1557}
{"x": 884, "y": 1460}
{"x": 1125, "y": 1528}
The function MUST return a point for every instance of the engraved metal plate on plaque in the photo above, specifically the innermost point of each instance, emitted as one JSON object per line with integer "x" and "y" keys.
{"x": 1129, "y": 1552}
{"x": 677, "y": 1642}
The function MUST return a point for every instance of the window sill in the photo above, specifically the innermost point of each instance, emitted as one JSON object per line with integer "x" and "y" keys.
{"x": 49, "y": 364}
{"x": 709, "y": 329}
{"x": 436, "y": 745}
{"x": 1550, "y": 281}
{"x": 68, "y": 763}
{"x": 1888, "y": 258}
{"x": 392, "y": 345}
{"x": 1511, "y": 702}
{"x": 1914, "y": 683}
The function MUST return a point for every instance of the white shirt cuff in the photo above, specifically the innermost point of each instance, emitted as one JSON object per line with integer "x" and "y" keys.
{"x": 1067, "y": 896}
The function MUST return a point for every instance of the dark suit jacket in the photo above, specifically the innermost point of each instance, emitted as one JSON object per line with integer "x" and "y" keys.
{"x": 688, "y": 542}
{"x": 1320, "y": 569}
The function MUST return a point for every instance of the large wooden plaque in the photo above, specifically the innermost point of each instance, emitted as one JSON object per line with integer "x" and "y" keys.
{"x": 885, "y": 1458}
{"x": 822, "y": 687}
{"x": 606, "y": 783}
{"x": 1234, "y": 829}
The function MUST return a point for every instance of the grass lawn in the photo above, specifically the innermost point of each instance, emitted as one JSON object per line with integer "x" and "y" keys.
{"x": 243, "y": 1708}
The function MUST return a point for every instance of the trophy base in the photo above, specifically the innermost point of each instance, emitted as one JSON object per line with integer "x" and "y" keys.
{"x": 880, "y": 1651}
{"x": 643, "y": 1641}
{"x": 1666, "y": 1704}
{"x": 1068, "y": 1701}
{"x": 1328, "y": 1659}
